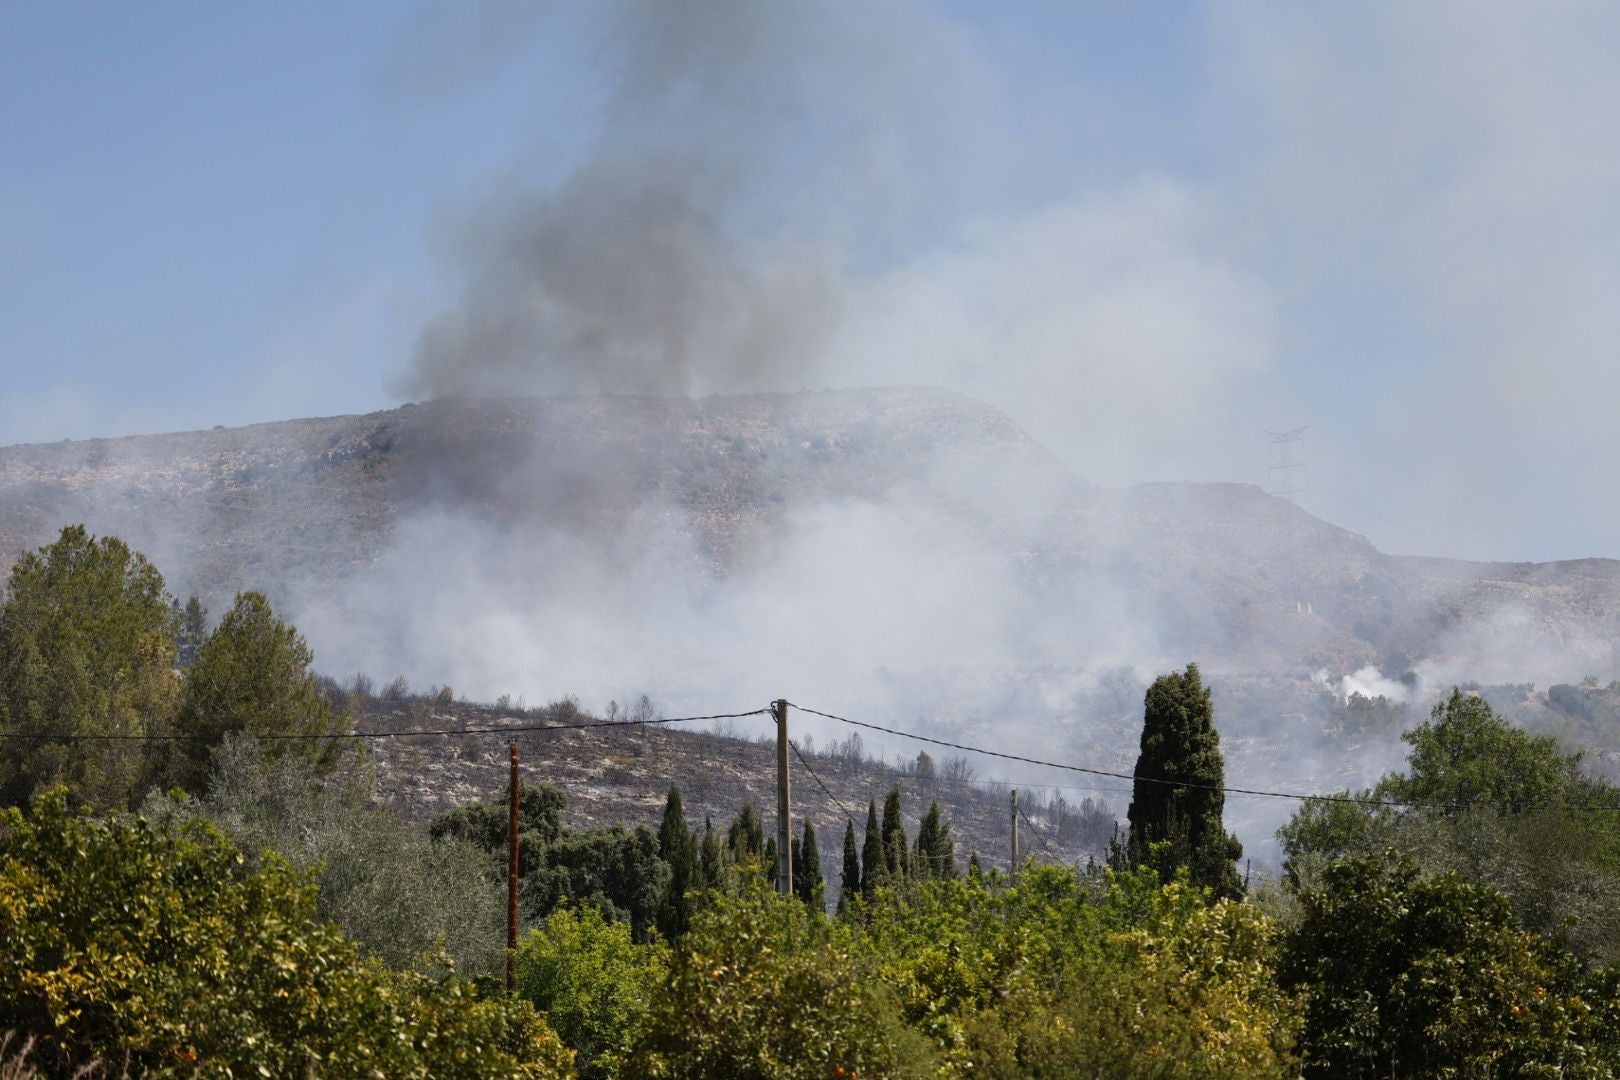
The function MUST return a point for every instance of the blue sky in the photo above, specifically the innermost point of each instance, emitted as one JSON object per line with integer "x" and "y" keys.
{"x": 1147, "y": 231}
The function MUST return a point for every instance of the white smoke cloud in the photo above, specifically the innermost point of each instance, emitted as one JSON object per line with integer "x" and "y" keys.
{"x": 1367, "y": 681}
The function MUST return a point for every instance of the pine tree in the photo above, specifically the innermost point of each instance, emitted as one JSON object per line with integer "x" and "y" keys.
{"x": 873, "y": 868}
{"x": 807, "y": 883}
{"x": 935, "y": 851}
{"x": 678, "y": 850}
{"x": 1178, "y": 823}
{"x": 894, "y": 838}
{"x": 86, "y": 648}
{"x": 252, "y": 674}
{"x": 850, "y": 886}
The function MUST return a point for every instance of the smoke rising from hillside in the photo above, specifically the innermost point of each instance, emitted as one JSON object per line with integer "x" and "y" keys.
{"x": 776, "y": 198}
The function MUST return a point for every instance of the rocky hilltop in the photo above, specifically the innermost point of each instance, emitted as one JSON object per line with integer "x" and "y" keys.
{"x": 1223, "y": 572}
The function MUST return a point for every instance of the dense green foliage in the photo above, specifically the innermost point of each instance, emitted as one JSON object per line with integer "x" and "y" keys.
{"x": 252, "y": 675}
{"x": 679, "y": 851}
{"x": 807, "y": 883}
{"x": 1407, "y": 976}
{"x": 935, "y": 853}
{"x": 86, "y": 648}
{"x": 124, "y": 940}
{"x": 1058, "y": 976}
{"x": 270, "y": 921}
{"x": 1501, "y": 807}
{"x": 90, "y": 643}
{"x": 592, "y": 982}
{"x": 1176, "y": 797}
{"x": 405, "y": 897}
{"x": 850, "y": 886}
{"x": 614, "y": 868}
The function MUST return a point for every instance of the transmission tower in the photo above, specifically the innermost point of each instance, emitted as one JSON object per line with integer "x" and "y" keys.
{"x": 1288, "y": 474}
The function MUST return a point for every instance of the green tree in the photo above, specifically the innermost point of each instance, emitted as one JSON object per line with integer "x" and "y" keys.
{"x": 1501, "y": 807}
{"x": 745, "y": 840}
{"x": 403, "y": 896}
{"x": 762, "y": 989}
{"x": 807, "y": 883}
{"x": 86, "y": 649}
{"x": 895, "y": 849}
{"x": 190, "y": 630}
{"x": 125, "y": 940}
{"x": 849, "y": 885}
{"x": 592, "y": 982}
{"x": 1176, "y": 797}
{"x": 935, "y": 855}
{"x": 1467, "y": 755}
{"x": 679, "y": 852}
{"x": 252, "y": 675}
{"x": 711, "y": 860}
{"x": 540, "y": 823}
{"x": 873, "y": 871}
{"x": 611, "y": 868}
{"x": 1407, "y": 976}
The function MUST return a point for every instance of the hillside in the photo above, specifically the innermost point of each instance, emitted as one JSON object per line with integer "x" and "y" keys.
{"x": 1220, "y": 571}
{"x": 904, "y": 553}
{"x": 616, "y": 775}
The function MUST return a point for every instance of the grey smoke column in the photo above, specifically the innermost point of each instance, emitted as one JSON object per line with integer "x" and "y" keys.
{"x": 697, "y": 245}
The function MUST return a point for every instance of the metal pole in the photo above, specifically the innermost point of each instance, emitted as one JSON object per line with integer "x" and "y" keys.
{"x": 784, "y": 812}
{"x": 512, "y": 880}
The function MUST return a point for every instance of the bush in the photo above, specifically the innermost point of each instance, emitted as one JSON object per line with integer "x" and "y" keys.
{"x": 1407, "y": 976}
{"x": 592, "y": 982}
{"x": 763, "y": 988}
{"x": 402, "y": 895}
{"x": 120, "y": 939}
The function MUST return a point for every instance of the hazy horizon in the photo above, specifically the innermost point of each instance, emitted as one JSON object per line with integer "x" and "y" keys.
{"x": 1148, "y": 235}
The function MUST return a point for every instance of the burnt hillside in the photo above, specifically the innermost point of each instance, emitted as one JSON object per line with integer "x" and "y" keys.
{"x": 622, "y": 775}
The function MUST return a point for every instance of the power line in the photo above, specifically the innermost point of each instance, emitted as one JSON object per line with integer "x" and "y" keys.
{"x": 1261, "y": 793}
{"x": 1039, "y": 835}
{"x": 819, "y": 783}
{"x": 884, "y": 840}
{"x": 311, "y": 737}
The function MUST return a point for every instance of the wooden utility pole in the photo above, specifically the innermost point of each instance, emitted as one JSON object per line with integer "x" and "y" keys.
{"x": 1014, "y": 866}
{"x": 512, "y": 880}
{"x": 784, "y": 810}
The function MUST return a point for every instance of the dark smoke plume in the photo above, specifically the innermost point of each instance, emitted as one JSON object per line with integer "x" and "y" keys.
{"x": 698, "y": 244}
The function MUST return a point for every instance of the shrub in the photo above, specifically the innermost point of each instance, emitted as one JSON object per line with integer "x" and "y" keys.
{"x": 592, "y": 982}
{"x": 763, "y": 988}
{"x": 124, "y": 940}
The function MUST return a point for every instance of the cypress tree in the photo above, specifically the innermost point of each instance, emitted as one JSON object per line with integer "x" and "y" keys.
{"x": 678, "y": 850}
{"x": 1179, "y": 823}
{"x": 975, "y": 871}
{"x": 770, "y": 858}
{"x": 850, "y": 886}
{"x": 873, "y": 869}
{"x": 709, "y": 857}
{"x": 894, "y": 837}
{"x": 807, "y": 883}
{"x": 746, "y": 837}
{"x": 936, "y": 851}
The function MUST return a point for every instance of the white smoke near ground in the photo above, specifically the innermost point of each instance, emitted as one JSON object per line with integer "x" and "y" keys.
{"x": 1367, "y": 682}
